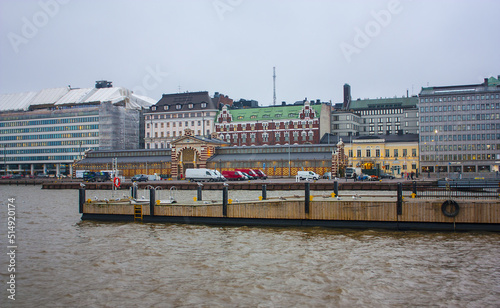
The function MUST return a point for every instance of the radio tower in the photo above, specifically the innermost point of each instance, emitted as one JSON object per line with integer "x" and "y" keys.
{"x": 274, "y": 86}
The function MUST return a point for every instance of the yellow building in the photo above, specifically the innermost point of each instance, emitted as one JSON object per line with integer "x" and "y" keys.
{"x": 393, "y": 154}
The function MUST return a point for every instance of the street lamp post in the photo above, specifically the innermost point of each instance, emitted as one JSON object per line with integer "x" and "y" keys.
{"x": 289, "y": 163}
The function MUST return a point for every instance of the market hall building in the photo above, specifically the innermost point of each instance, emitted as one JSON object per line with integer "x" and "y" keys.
{"x": 191, "y": 151}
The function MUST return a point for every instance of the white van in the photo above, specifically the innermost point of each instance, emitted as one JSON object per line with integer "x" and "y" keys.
{"x": 220, "y": 177}
{"x": 200, "y": 175}
{"x": 307, "y": 175}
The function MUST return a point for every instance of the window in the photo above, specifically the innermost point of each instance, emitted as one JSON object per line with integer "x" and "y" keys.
{"x": 178, "y": 106}
{"x": 396, "y": 154}
{"x": 358, "y": 153}
{"x": 265, "y": 137}
{"x": 368, "y": 153}
{"x": 166, "y": 107}
{"x": 190, "y": 106}
{"x": 203, "y": 105}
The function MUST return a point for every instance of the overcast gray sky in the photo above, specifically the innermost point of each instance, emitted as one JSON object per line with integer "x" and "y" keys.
{"x": 381, "y": 48}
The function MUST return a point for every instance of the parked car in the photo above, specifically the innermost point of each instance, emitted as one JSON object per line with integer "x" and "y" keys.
{"x": 249, "y": 172}
{"x": 363, "y": 177}
{"x": 201, "y": 175}
{"x": 16, "y": 176}
{"x": 220, "y": 177}
{"x": 373, "y": 178}
{"x": 247, "y": 177}
{"x": 164, "y": 176}
{"x": 386, "y": 176}
{"x": 8, "y": 176}
{"x": 261, "y": 174}
{"x": 139, "y": 178}
{"x": 307, "y": 175}
{"x": 233, "y": 175}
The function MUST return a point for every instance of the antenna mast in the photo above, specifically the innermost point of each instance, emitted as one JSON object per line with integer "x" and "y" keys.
{"x": 274, "y": 86}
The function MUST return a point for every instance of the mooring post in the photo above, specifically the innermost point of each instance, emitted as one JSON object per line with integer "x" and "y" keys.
{"x": 336, "y": 188}
{"x": 81, "y": 199}
{"x": 152, "y": 201}
{"x": 133, "y": 191}
{"x": 224, "y": 201}
{"x": 399, "y": 205}
{"x": 307, "y": 197}
{"x": 264, "y": 191}
{"x": 198, "y": 194}
{"x": 414, "y": 188}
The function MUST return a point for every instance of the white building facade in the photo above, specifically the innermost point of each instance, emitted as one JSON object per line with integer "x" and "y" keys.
{"x": 47, "y": 131}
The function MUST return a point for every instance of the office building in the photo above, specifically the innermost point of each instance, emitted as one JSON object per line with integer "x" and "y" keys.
{"x": 48, "y": 130}
{"x": 460, "y": 129}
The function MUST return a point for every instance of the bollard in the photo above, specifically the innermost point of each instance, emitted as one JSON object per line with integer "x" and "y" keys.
{"x": 336, "y": 188}
{"x": 264, "y": 192}
{"x": 224, "y": 201}
{"x": 133, "y": 192}
{"x": 81, "y": 199}
{"x": 152, "y": 201}
{"x": 307, "y": 197}
{"x": 198, "y": 194}
{"x": 399, "y": 204}
{"x": 414, "y": 188}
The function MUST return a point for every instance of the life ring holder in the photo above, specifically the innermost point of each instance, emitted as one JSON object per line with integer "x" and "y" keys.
{"x": 117, "y": 182}
{"x": 450, "y": 208}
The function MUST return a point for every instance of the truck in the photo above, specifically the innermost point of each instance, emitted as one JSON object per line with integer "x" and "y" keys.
{"x": 79, "y": 173}
{"x": 90, "y": 176}
{"x": 201, "y": 175}
{"x": 349, "y": 172}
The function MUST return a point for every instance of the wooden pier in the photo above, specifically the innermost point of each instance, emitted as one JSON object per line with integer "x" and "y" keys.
{"x": 397, "y": 213}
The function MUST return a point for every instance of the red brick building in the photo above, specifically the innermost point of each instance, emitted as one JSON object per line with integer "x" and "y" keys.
{"x": 276, "y": 125}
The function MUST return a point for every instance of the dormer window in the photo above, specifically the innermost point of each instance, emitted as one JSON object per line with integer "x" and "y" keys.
{"x": 166, "y": 107}
{"x": 190, "y": 106}
{"x": 178, "y": 106}
{"x": 153, "y": 108}
{"x": 203, "y": 105}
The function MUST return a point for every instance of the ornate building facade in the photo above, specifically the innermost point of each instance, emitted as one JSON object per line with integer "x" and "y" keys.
{"x": 277, "y": 125}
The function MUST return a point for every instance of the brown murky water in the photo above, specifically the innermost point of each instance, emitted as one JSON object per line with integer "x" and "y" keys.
{"x": 62, "y": 261}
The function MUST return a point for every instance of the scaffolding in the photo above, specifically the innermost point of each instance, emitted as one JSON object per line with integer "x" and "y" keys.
{"x": 118, "y": 127}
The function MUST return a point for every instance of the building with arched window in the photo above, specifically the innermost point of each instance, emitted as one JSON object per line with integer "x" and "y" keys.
{"x": 275, "y": 125}
{"x": 173, "y": 113}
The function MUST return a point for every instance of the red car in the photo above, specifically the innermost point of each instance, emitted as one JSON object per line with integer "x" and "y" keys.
{"x": 250, "y": 172}
{"x": 8, "y": 176}
{"x": 233, "y": 175}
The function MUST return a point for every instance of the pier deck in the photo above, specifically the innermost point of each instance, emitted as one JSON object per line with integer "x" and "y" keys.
{"x": 326, "y": 211}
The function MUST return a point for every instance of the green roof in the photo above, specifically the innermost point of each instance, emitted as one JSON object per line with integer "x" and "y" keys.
{"x": 382, "y": 103}
{"x": 270, "y": 113}
{"x": 492, "y": 81}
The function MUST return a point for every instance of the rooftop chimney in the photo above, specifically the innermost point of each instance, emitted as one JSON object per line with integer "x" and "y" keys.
{"x": 347, "y": 96}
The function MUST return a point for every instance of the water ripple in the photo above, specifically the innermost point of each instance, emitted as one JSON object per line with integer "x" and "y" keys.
{"x": 65, "y": 262}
